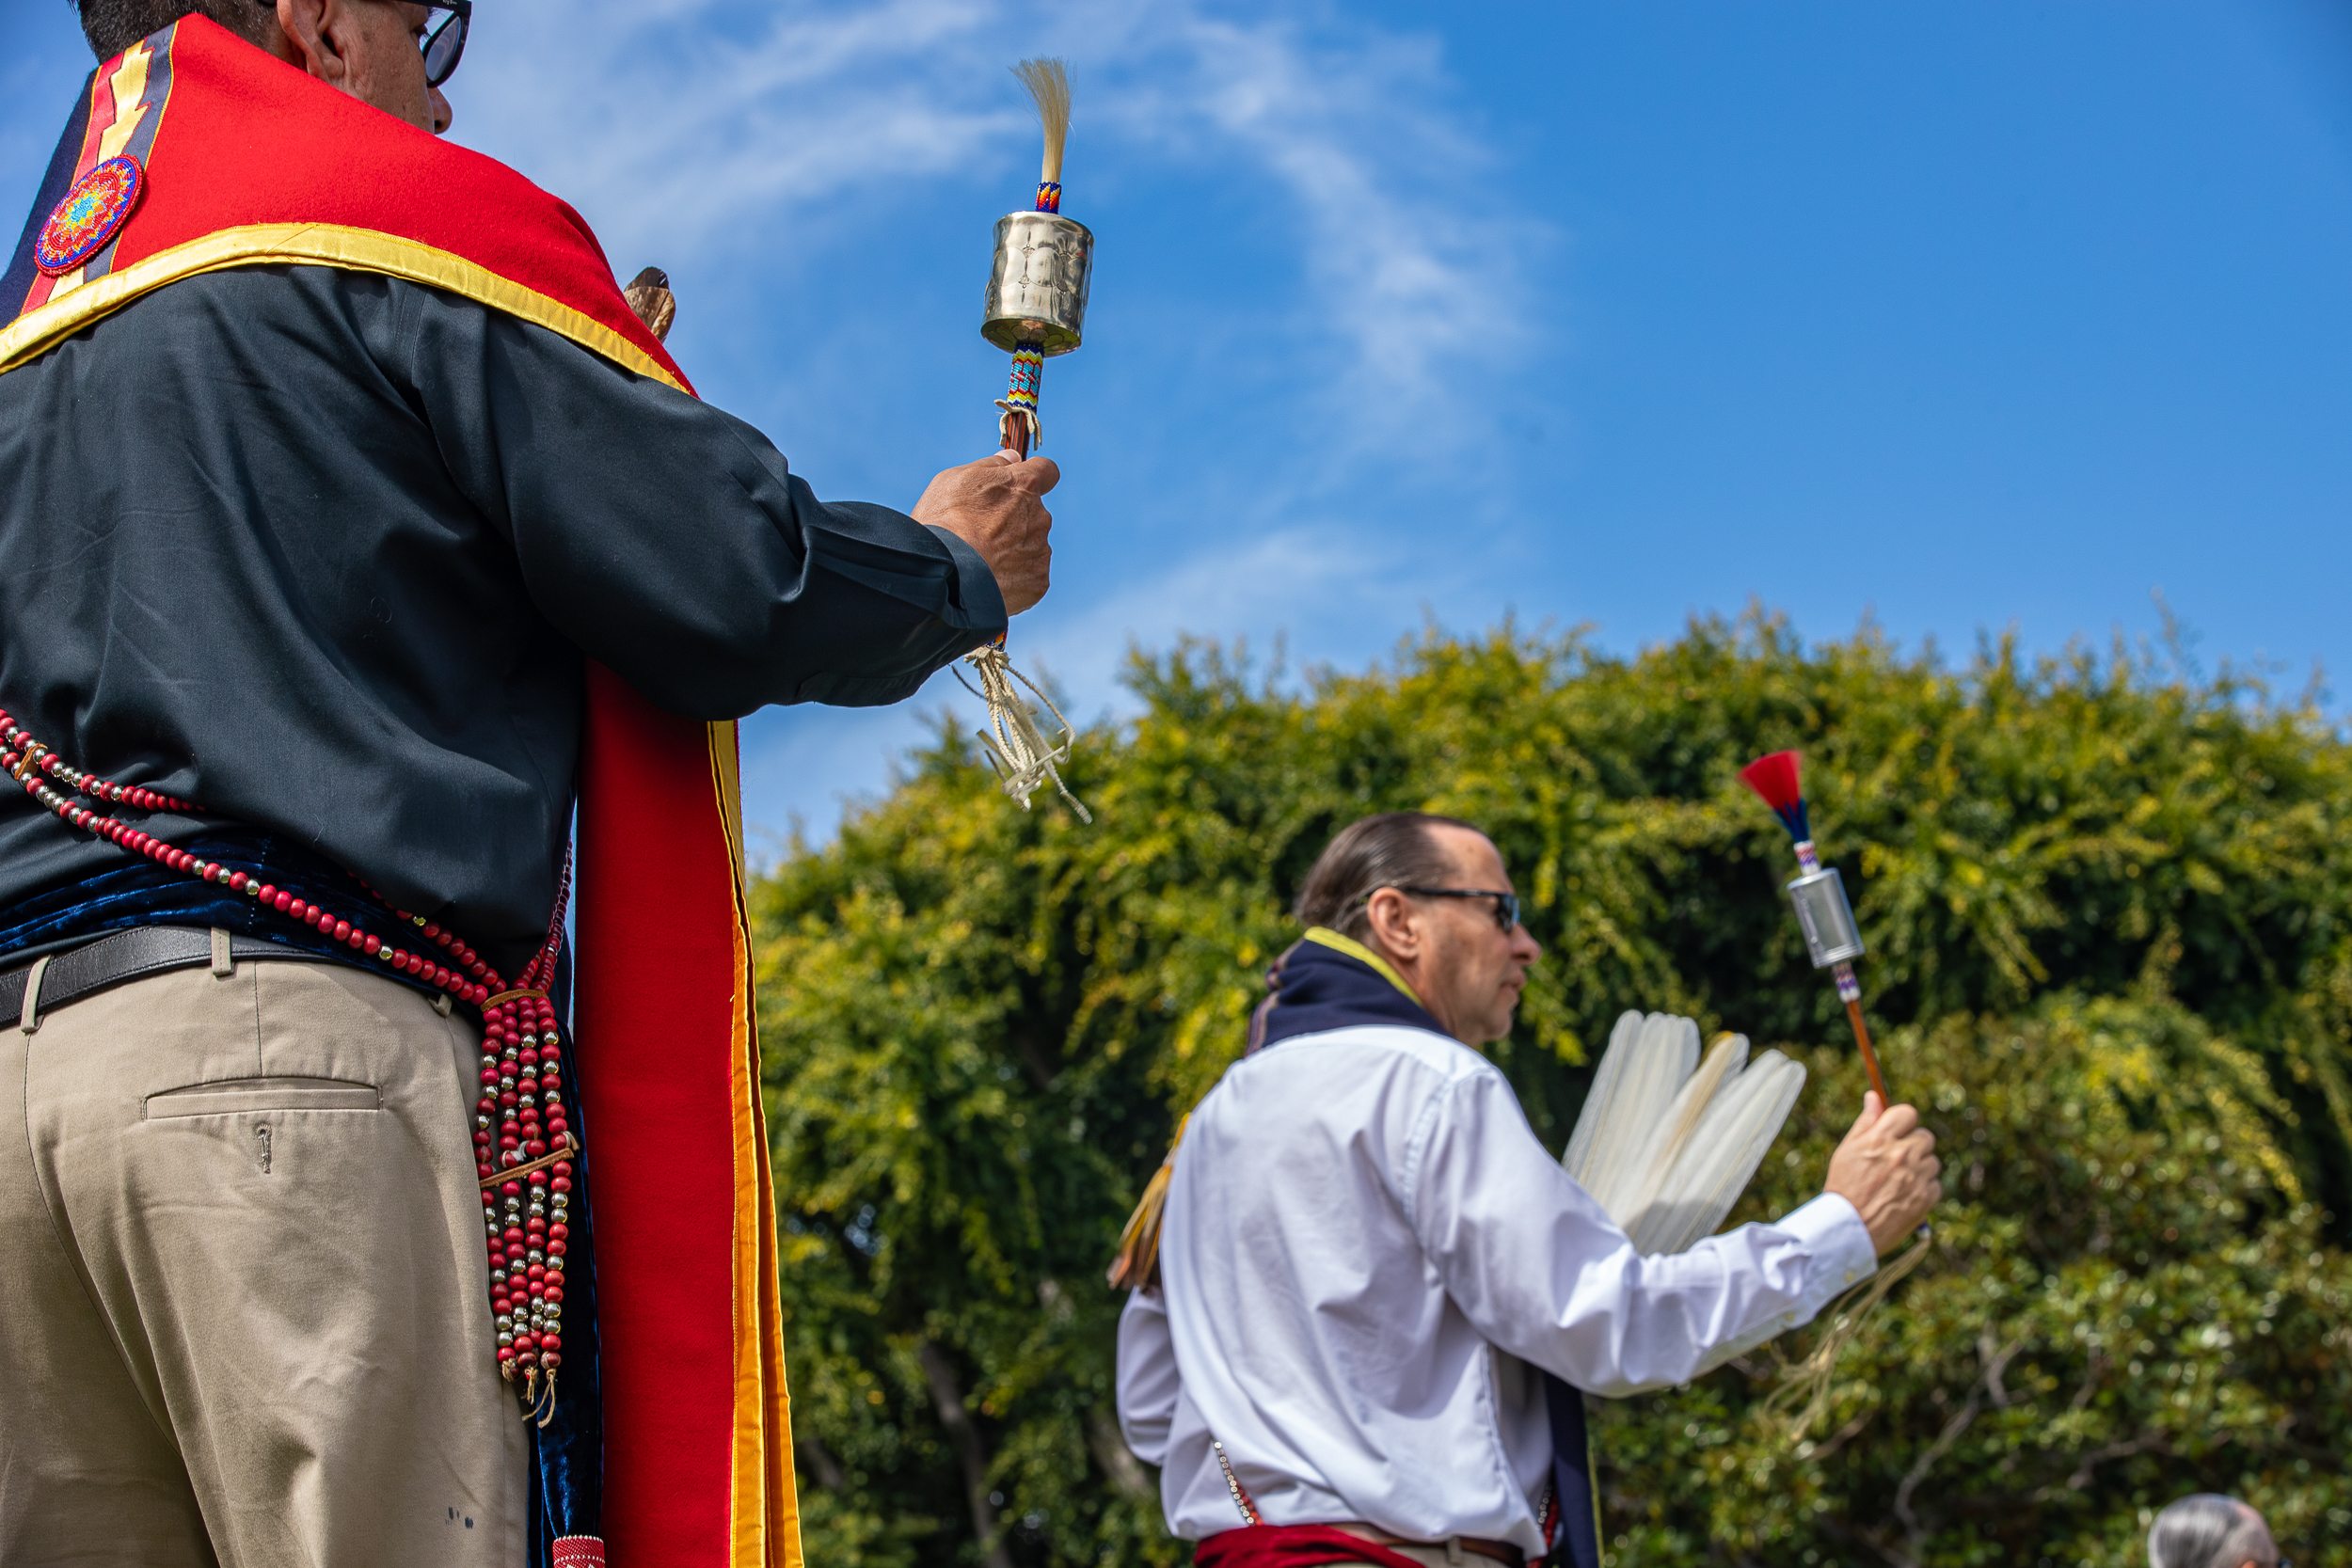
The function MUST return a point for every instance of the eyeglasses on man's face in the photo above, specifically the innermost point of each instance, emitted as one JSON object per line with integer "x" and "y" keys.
{"x": 446, "y": 22}
{"x": 1506, "y": 904}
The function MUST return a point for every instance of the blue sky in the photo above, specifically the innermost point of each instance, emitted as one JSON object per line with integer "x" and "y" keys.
{"x": 1961, "y": 316}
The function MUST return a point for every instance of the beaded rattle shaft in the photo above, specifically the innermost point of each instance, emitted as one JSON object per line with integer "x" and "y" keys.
{"x": 523, "y": 1143}
{"x": 1035, "y": 308}
{"x": 1832, "y": 939}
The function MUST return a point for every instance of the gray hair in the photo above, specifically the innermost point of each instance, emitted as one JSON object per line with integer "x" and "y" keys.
{"x": 1393, "y": 849}
{"x": 2205, "y": 1530}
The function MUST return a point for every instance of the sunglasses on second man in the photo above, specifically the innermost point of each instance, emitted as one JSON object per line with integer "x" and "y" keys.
{"x": 1506, "y": 904}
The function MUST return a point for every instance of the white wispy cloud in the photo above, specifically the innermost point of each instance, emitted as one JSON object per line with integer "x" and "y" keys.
{"x": 1360, "y": 230}
{"x": 693, "y": 123}
{"x": 671, "y": 122}
{"x": 1323, "y": 593}
{"x": 1406, "y": 263}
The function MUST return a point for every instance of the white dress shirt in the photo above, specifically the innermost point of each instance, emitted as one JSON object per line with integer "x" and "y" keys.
{"x": 1364, "y": 1245}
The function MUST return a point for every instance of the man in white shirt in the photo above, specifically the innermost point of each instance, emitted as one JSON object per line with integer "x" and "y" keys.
{"x": 1376, "y": 1294}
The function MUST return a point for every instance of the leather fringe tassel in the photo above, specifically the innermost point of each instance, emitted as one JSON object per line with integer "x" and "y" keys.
{"x": 1024, "y": 759}
{"x": 1138, "y": 1265}
{"x": 1806, "y": 1388}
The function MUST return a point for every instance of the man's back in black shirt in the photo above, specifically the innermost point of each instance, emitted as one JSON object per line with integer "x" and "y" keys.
{"x": 324, "y": 550}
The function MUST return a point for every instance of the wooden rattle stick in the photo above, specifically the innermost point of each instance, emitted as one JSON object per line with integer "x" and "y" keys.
{"x": 1869, "y": 1058}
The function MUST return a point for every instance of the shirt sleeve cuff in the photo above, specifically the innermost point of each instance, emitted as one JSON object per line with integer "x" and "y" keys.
{"x": 1839, "y": 1243}
{"x": 982, "y": 603}
{"x": 1838, "y": 1256}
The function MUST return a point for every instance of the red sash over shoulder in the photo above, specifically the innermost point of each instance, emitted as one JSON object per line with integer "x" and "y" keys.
{"x": 244, "y": 161}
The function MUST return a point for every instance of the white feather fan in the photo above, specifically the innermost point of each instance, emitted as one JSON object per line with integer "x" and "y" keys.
{"x": 1667, "y": 1142}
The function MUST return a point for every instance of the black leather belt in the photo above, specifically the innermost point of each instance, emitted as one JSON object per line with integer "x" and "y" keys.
{"x": 1471, "y": 1546}
{"x": 123, "y": 956}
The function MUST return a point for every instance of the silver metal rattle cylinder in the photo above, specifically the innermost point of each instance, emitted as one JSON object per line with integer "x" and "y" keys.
{"x": 1037, "y": 288}
{"x": 1830, "y": 936}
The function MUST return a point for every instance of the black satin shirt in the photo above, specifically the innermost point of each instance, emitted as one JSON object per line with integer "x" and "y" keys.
{"x": 324, "y": 551}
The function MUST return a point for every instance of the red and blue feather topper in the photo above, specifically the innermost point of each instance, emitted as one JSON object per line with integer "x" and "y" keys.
{"x": 1774, "y": 779}
{"x": 1818, "y": 895}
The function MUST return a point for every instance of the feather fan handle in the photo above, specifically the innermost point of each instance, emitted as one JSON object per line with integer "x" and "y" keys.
{"x": 1048, "y": 81}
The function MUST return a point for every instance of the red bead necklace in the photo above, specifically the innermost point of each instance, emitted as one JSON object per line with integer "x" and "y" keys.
{"x": 519, "y": 1116}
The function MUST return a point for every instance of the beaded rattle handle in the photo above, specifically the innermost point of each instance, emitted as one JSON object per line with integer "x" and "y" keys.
{"x": 1017, "y": 749}
{"x": 1017, "y": 426}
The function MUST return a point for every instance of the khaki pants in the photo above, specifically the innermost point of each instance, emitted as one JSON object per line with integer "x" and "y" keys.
{"x": 243, "y": 1300}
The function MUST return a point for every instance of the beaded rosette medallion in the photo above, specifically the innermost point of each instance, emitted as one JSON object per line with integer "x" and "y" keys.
{"x": 91, "y": 214}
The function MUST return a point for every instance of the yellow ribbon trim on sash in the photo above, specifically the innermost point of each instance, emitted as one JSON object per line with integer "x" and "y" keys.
{"x": 319, "y": 245}
{"x": 764, "y": 1501}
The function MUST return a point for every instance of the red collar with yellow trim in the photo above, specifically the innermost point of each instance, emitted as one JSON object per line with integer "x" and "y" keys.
{"x": 247, "y": 160}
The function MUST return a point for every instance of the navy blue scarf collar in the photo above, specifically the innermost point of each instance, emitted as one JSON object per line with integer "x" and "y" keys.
{"x": 1325, "y": 981}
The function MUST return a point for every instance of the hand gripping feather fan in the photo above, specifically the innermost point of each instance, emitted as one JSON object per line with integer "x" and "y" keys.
{"x": 1668, "y": 1142}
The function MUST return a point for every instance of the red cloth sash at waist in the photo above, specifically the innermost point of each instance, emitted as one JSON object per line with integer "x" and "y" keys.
{"x": 1292, "y": 1546}
{"x": 1297, "y": 1547}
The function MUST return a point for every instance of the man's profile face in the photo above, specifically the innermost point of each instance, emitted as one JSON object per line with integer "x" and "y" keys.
{"x": 372, "y": 50}
{"x": 1475, "y": 970}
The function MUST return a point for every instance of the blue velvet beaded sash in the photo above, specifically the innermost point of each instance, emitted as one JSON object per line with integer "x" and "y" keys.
{"x": 140, "y": 893}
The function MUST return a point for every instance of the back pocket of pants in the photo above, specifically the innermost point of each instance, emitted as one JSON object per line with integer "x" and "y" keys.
{"x": 232, "y": 1096}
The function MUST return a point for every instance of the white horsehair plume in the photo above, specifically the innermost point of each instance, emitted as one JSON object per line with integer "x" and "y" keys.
{"x": 1667, "y": 1143}
{"x": 1048, "y": 81}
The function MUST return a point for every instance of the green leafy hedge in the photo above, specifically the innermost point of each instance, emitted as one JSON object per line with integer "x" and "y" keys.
{"x": 2111, "y": 948}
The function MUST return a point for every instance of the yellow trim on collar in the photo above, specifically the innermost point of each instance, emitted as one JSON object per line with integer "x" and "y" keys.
{"x": 319, "y": 245}
{"x": 1324, "y": 936}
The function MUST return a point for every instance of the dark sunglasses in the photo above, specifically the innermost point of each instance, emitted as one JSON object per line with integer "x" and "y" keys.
{"x": 445, "y": 43}
{"x": 1506, "y": 904}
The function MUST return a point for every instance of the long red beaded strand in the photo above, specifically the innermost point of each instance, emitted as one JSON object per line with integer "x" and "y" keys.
{"x": 520, "y": 1138}
{"x": 520, "y": 1115}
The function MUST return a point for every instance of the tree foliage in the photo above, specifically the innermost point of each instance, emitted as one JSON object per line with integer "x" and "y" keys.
{"x": 2110, "y": 940}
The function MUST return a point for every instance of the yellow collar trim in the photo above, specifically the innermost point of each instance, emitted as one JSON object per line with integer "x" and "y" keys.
{"x": 320, "y": 245}
{"x": 1325, "y": 936}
